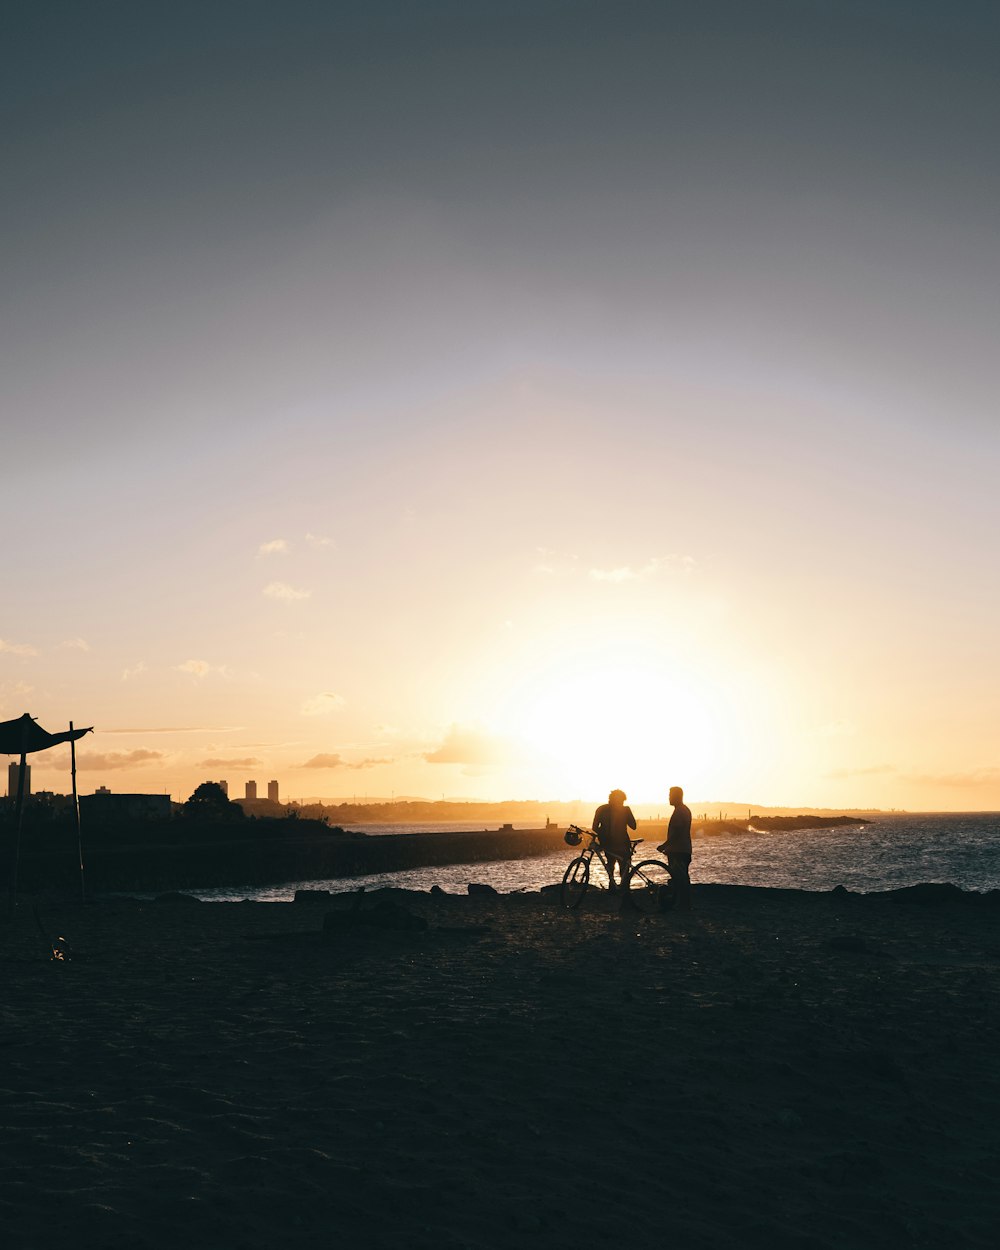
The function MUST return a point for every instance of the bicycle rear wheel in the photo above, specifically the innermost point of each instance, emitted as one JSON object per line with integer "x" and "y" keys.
{"x": 574, "y": 883}
{"x": 650, "y": 887}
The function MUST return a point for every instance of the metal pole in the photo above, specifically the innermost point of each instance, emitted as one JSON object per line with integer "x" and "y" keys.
{"x": 19, "y": 820}
{"x": 76, "y": 815}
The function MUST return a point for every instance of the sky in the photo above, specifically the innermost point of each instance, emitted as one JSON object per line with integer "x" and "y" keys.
{"x": 504, "y": 400}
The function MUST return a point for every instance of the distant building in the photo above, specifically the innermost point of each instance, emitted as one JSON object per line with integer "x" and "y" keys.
{"x": 13, "y": 772}
{"x": 103, "y": 805}
{"x": 251, "y": 790}
{"x": 272, "y": 791}
{"x": 224, "y": 787}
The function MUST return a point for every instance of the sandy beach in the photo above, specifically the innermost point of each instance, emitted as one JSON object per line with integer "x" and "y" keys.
{"x": 777, "y": 1069}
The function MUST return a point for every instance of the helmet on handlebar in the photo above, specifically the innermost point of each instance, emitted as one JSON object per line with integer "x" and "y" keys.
{"x": 572, "y": 838}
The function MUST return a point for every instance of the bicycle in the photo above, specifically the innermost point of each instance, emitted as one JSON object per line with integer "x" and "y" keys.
{"x": 649, "y": 884}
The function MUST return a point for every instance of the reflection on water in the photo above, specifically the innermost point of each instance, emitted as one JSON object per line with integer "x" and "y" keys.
{"x": 894, "y": 851}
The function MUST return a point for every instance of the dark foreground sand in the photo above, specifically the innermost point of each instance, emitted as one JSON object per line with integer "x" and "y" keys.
{"x": 775, "y": 1070}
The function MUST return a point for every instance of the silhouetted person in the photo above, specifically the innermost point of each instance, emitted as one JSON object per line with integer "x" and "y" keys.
{"x": 678, "y": 849}
{"x": 612, "y": 821}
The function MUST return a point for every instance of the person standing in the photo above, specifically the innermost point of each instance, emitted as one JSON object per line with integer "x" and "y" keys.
{"x": 612, "y": 821}
{"x": 678, "y": 848}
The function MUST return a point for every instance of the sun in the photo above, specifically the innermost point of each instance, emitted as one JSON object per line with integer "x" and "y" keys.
{"x": 594, "y": 724}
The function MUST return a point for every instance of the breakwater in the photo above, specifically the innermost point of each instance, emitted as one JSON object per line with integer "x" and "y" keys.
{"x": 261, "y": 860}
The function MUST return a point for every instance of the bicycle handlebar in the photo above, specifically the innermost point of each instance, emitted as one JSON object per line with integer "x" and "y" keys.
{"x": 592, "y": 833}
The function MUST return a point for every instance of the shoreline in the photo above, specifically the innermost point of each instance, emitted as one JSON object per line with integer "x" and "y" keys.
{"x": 261, "y": 853}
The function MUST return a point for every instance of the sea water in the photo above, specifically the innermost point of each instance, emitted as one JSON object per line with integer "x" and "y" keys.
{"x": 890, "y": 851}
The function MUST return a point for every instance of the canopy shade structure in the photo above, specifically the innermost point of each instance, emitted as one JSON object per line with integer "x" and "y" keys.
{"x": 24, "y": 736}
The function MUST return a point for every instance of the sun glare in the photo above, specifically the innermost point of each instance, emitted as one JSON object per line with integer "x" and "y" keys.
{"x": 594, "y": 726}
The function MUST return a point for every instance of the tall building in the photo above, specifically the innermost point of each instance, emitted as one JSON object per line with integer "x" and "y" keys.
{"x": 251, "y": 790}
{"x": 12, "y": 774}
{"x": 224, "y": 787}
{"x": 272, "y": 791}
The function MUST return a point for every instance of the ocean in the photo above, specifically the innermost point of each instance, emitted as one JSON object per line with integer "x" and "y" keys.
{"x": 890, "y": 851}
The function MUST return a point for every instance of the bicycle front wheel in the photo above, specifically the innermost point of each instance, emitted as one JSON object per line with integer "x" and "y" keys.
{"x": 650, "y": 887}
{"x": 574, "y": 883}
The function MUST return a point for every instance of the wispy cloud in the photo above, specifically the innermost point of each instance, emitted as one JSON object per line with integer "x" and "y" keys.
{"x": 552, "y": 563}
{"x": 318, "y": 540}
{"x": 282, "y": 590}
{"x": 17, "y": 691}
{"x": 75, "y": 644}
{"x": 323, "y": 704}
{"x": 338, "y": 761}
{"x": 200, "y": 668}
{"x": 179, "y": 729}
{"x": 873, "y": 770}
{"x": 276, "y": 547}
{"x": 16, "y": 648}
{"x": 655, "y": 567}
{"x": 248, "y": 761}
{"x": 974, "y": 779}
{"x": 134, "y": 671}
{"x": 116, "y": 760}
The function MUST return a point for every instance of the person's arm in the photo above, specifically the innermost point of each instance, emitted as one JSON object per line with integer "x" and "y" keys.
{"x": 629, "y": 818}
{"x": 595, "y": 823}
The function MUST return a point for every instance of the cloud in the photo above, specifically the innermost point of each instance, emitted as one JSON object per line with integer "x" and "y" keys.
{"x": 323, "y": 704}
{"x": 281, "y": 590}
{"x": 473, "y": 747}
{"x": 117, "y": 760}
{"x": 324, "y": 761}
{"x": 248, "y": 761}
{"x": 337, "y": 761}
{"x": 552, "y": 563}
{"x": 652, "y": 568}
{"x": 874, "y": 770}
{"x": 134, "y": 671}
{"x": 200, "y": 668}
{"x": 17, "y": 691}
{"x": 76, "y": 644}
{"x": 974, "y": 779}
{"x": 277, "y": 546}
{"x": 180, "y": 729}
{"x": 16, "y": 648}
{"x": 317, "y": 540}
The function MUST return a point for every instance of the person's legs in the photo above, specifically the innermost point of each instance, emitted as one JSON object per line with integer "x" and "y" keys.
{"x": 679, "y": 868}
{"x": 624, "y": 859}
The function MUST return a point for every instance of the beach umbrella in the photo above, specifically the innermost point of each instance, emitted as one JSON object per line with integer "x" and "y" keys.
{"x": 23, "y": 737}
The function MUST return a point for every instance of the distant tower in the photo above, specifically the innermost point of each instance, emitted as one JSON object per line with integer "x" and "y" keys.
{"x": 224, "y": 787}
{"x": 12, "y": 774}
{"x": 272, "y": 791}
{"x": 251, "y": 790}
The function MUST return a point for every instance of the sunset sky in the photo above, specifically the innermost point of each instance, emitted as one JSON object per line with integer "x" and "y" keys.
{"x": 505, "y": 400}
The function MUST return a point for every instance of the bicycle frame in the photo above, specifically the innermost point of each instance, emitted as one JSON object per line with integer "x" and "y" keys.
{"x": 594, "y": 848}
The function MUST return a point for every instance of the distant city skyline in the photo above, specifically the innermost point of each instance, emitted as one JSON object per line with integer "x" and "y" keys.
{"x": 513, "y": 400}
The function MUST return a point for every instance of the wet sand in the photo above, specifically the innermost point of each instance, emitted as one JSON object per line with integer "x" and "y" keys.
{"x": 776, "y": 1069}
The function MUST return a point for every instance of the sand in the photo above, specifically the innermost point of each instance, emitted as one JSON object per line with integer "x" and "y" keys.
{"x": 774, "y": 1070}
